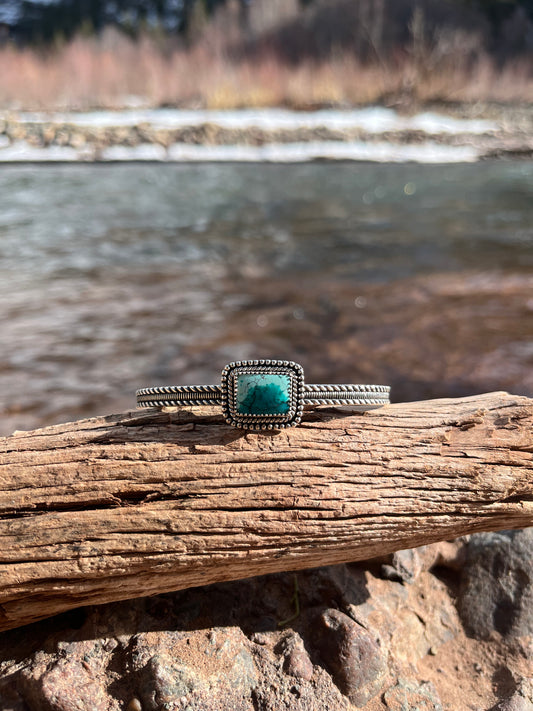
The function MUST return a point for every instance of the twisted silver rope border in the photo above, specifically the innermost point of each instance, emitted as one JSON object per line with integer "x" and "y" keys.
{"x": 314, "y": 394}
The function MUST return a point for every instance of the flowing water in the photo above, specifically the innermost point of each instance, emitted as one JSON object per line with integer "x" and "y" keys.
{"x": 114, "y": 277}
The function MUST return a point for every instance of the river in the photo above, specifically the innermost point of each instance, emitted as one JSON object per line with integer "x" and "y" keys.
{"x": 119, "y": 276}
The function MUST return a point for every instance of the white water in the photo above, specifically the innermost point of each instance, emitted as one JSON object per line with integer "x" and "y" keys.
{"x": 382, "y": 152}
{"x": 328, "y": 150}
{"x": 372, "y": 120}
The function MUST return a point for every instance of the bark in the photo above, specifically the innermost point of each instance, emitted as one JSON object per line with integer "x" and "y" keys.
{"x": 147, "y": 502}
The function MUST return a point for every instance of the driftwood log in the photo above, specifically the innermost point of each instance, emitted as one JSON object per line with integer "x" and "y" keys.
{"x": 147, "y": 502}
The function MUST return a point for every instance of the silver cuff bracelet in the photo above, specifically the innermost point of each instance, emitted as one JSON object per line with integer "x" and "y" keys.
{"x": 264, "y": 394}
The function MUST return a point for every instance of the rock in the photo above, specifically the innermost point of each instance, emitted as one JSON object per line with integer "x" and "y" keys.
{"x": 262, "y": 638}
{"x": 352, "y": 656}
{"x": 342, "y": 585}
{"x": 516, "y": 702}
{"x": 520, "y": 700}
{"x": 77, "y": 139}
{"x": 62, "y": 137}
{"x": 409, "y": 641}
{"x": 34, "y": 136}
{"x": 297, "y": 662}
{"x": 170, "y": 682}
{"x": 411, "y": 619}
{"x": 279, "y": 691}
{"x": 445, "y": 554}
{"x": 16, "y": 131}
{"x": 206, "y": 670}
{"x": 404, "y": 566}
{"x": 408, "y": 695}
{"x": 496, "y": 591}
{"x": 10, "y": 699}
{"x": 73, "y": 682}
{"x": 49, "y": 132}
{"x": 242, "y": 674}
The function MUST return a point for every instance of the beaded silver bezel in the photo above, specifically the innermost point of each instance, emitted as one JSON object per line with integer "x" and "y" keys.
{"x": 228, "y": 384}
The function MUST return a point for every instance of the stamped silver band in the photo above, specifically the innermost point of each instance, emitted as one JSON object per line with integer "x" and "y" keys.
{"x": 176, "y": 395}
{"x": 264, "y": 394}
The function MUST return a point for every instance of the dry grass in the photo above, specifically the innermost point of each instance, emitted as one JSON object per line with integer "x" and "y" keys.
{"x": 107, "y": 72}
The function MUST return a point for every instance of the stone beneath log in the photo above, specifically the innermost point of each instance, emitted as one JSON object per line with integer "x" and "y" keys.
{"x": 496, "y": 591}
{"x": 228, "y": 646}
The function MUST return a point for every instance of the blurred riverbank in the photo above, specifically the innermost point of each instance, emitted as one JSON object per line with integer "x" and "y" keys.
{"x": 375, "y": 133}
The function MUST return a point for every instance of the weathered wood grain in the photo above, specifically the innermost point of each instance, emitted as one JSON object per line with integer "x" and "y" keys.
{"x": 146, "y": 502}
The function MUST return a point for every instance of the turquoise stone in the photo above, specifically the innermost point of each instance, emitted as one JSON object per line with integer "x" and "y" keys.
{"x": 263, "y": 394}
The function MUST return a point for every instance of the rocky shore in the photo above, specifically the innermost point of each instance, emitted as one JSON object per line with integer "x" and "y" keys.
{"x": 166, "y": 134}
{"x": 445, "y": 627}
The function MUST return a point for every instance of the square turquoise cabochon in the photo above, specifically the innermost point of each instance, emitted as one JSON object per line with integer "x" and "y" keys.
{"x": 263, "y": 393}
